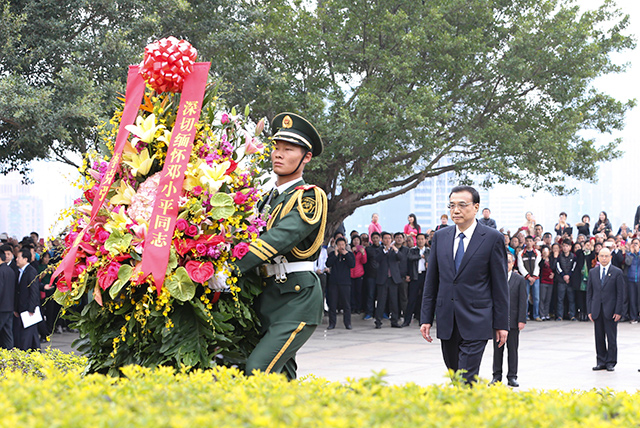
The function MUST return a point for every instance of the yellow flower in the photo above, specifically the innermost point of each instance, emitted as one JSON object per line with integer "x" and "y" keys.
{"x": 144, "y": 129}
{"x": 165, "y": 137}
{"x": 120, "y": 220}
{"x": 140, "y": 164}
{"x": 123, "y": 195}
{"x": 214, "y": 176}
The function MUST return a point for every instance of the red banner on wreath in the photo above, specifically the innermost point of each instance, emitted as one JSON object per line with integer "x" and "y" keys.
{"x": 133, "y": 97}
{"x": 165, "y": 210}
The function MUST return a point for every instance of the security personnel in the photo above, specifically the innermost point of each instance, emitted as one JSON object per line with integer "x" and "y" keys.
{"x": 291, "y": 304}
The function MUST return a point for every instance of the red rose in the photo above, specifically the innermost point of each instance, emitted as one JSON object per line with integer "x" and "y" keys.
{"x": 101, "y": 235}
{"x": 240, "y": 250}
{"x": 196, "y": 191}
{"x": 108, "y": 274}
{"x": 182, "y": 224}
{"x": 240, "y": 198}
{"x": 90, "y": 194}
{"x": 192, "y": 230}
{"x": 201, "y": 249}
{"x": 62, "y": 285}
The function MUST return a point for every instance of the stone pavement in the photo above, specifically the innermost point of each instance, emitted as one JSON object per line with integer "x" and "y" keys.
{"x": 553, "y": 355}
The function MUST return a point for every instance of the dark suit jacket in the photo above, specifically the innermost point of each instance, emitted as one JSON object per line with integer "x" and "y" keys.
{"x": 28, "y": 291}
{"x": 478, "y": 294}
{"x": 389, "y": 261}
{"x": 341, "y": 266}
{"x": 403, "y": 252}
{"x": 8, "y": 282}
{"x": 608, "y": 295}
{"x": 413, "y": 260}
{"x": 517, "y": 300}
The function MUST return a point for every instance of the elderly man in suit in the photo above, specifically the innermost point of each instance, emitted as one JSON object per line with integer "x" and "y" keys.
{"x": 605, "y": 306}
{"x": 466, "y": 286}
{"x": 388, "y": 280}
{"x": 517, "y": 321}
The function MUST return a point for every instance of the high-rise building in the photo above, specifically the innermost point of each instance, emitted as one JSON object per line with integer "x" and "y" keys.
{"x": 20, "y": 211}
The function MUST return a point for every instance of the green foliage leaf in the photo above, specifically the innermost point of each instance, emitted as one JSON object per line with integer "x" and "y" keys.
{"x": 180, "y": 285}
{"x": 124, "y": 274}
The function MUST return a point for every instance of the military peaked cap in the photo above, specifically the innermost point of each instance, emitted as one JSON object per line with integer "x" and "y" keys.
{"x": 295, "y": 129}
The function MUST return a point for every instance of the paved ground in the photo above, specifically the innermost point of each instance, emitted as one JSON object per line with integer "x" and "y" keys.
{"x": 553, "y": 355}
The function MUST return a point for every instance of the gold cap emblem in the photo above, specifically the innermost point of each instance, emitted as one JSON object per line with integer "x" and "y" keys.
{"x": 287, "y": 122}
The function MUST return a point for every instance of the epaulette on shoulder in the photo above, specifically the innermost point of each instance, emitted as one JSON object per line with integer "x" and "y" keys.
{"x": 306, "y": 187}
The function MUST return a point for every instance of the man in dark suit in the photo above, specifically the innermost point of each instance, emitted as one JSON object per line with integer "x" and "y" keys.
{"x": 388, "y": 280}
{"x": 341, "y": 262}
{"x": 517, "y": 321}
{"x": 403, "y": 253}
{"x": 417, "y": 262}
{"x": 7, "y": 302}
{"x": 605, "y": 305}
{"x": 27, "y": 300}
{"x": 466, "y": 286}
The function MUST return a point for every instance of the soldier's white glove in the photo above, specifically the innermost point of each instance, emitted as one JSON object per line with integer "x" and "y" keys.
{"x": 218, "y": 282}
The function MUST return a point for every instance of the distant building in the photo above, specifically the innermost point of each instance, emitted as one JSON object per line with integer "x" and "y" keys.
{"x": 20, "y": 211}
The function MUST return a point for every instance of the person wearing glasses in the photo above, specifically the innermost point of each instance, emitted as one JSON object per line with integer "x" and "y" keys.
{"x": 466, "y": 286}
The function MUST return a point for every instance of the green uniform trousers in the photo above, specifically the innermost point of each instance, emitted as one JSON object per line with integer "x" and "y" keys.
{"x": 277, "y": 349}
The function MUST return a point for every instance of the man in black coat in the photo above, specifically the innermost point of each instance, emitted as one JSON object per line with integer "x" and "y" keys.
{"x": 466, "y": 286}
{"x": 417, "y": 262}
{"x": 388, "y": 280}
{"x": 403, "y": 287}
{"x": 605, "y": 305}
{"x": 341, "y": 262}
{"x": 27, "y": 300}
{"x": 517, "y": 321}
{"x": 7, "y": 302}
{"x": 371, "y": 274}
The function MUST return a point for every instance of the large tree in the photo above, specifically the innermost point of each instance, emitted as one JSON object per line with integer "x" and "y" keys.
{"x": 406, "y": 90}
{"x": 62, "y": 63}
{"x": 400, "y": 90}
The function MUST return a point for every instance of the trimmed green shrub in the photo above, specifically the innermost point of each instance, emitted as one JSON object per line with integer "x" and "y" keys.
{"x": 44, "y": 396}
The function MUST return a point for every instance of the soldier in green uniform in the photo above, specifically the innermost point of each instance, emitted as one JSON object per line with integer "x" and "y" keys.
{"x": 290, "y": 306}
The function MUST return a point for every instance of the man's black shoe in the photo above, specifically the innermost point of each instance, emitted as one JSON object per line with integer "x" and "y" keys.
{"x": 331, "y": 327}
{"x": 405, "y": 325}
{"x": 378, "y": 326}
{"x": 513, "y": 383}
{"x": 495, "y": 380}
{"x": 610, "y": 368}
{"x": 599, "y": 367}
{"x": 348, "y": 327}
{"x": 396, "y": 326}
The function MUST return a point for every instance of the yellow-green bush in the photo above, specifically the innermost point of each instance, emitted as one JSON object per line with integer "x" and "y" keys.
{"x": 50, "y": 397}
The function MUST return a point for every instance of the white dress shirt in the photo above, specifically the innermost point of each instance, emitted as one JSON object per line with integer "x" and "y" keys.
{"x": 468, "y": 233}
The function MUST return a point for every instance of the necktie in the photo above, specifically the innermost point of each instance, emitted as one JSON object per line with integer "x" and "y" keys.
{"x": 602, "y": 275}
{"x": 460, "y": 253}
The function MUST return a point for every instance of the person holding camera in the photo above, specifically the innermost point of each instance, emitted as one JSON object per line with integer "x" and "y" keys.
{"x": 341, "y": 262}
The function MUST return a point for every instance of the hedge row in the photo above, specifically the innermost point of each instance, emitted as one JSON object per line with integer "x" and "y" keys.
{"x": 48, "y": 390}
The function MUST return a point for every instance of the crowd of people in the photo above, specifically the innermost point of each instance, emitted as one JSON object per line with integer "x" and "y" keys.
{"x": 25, "y": 271}
{"x": 380, "y": 274}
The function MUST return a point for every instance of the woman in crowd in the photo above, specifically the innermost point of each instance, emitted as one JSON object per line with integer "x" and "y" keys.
{"x": 546, "y": 283}
{"x": 584, "y": 227}
{"x": 412, "y": 228}
{"x": 444, "y": 220}
{"x": 358, "y": 302}
{"x": 603, "y": 225}
{"x": 374, "y": 226}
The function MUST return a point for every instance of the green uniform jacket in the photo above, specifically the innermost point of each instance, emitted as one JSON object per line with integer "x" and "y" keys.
{"x": 296, "y": 230}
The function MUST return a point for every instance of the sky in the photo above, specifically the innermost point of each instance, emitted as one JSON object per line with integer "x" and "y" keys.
{"x": 617, "y": 179}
